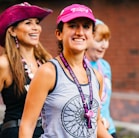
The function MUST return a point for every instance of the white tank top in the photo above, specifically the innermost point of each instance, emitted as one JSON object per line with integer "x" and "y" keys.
{"x": 63, "y": 112}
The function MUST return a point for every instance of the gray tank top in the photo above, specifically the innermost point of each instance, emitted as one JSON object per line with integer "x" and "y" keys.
{"x": 63, "y": 113}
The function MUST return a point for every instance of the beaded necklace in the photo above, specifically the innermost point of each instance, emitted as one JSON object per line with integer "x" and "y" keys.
{"x": 87, "y": 107}
{"x": 28, "y": 68}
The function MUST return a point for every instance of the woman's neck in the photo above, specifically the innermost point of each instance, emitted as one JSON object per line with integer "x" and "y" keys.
{"x": 27, "y": 54}
{"x": 74, "y": 59}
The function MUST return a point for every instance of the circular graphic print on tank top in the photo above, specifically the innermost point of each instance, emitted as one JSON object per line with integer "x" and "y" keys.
{"x": 73, "y": 120}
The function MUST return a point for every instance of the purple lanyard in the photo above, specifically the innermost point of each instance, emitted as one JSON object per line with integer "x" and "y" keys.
{"x": 88, "y": 111}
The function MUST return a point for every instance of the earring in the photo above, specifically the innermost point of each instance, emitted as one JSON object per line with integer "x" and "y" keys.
{"x": 16, "y": 41}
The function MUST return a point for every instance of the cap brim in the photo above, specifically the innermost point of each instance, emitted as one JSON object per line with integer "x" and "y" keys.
{"x": 77, "y": 15}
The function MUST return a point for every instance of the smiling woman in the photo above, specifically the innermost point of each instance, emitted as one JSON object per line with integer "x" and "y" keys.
{"x": 20, "y": 33}
{"x": 27, "y": 31}
{"x": 69, "y": 101}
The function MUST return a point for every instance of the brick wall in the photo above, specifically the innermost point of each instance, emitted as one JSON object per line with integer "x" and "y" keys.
{"x": 123, "y": 54}
{"x": 123, "y": 19}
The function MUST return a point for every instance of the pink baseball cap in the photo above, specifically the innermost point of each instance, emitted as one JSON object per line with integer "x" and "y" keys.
{"x": 75, "y": 11}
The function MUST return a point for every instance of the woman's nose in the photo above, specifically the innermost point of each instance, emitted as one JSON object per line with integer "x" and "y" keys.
{"x": 79, "y": 30}
{"x": 34, "y": 26}
{"x": 105, "y": 44}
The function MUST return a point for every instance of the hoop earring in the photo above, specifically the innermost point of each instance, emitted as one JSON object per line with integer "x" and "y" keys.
{"x": 16, "y": 42}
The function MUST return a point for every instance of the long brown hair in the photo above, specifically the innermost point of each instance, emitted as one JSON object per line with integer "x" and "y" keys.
{"x": 15, "y": 62}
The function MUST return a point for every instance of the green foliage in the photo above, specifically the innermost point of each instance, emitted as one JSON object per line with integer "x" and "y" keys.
{"x": 124, "y": 133}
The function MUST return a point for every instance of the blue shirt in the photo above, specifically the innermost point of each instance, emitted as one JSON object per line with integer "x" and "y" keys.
{"x": 104, "y": 68}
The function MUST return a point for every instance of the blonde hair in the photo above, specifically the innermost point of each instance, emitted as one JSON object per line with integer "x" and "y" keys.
{"x": 16, "y": 64}
{"x": 103, "y": 30}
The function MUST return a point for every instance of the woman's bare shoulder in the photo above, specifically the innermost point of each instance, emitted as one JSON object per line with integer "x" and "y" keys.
{"x": 46, "y": 74}
{"x": 4, "y": 63}
{"x": 46, "y": 70}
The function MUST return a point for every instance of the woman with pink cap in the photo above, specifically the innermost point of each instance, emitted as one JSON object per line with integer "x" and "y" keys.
{"x": 69, "y": 101}
{"x": 23, "y": 54}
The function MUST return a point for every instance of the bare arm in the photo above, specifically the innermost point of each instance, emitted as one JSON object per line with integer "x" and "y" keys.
{"x": 5, "y": 73}
{"x": 101, "y": 131}
{"x": 38, "y": 91}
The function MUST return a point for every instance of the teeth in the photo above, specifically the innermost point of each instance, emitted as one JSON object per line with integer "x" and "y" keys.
{"x": 78, "y": 40}
{"x": 33, "y": 35}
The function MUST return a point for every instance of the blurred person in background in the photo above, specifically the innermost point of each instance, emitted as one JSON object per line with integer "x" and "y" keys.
{"x": 95, "y": 53}
{"x": 23, "y": 54}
